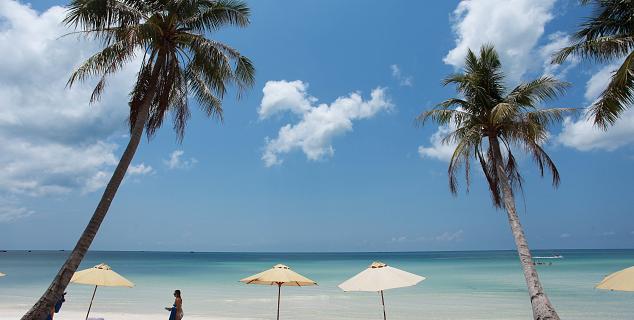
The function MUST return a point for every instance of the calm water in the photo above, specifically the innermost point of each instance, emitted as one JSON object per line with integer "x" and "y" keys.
{"x": 459, "y": 285}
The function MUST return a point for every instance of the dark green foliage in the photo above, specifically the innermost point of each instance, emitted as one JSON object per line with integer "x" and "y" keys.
{"x": 486, "y": 110}
{"x": 173, "y": 31}
{"x": 607, "y": 36}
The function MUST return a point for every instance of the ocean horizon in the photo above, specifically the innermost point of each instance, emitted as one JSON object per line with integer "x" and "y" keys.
{"x": 459, "y": 285}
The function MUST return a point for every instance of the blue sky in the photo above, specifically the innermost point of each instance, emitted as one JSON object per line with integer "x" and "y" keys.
{"x": 327, "y": 158}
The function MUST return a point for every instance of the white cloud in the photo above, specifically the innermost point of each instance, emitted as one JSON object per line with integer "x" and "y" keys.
{"x": 599, "y": 81}
{"x": 176, "y": 161}
{"x": 450, "y": 236}
{"x": 37, "y": 168}
{"x": 51, "y": 140}
{"x": 513, "y": 26}
{"x": 10, "y": 210}
{"x": 556, "y": 41}
{"x": 140, "y": 170}
{"x": 608, "y": 233}
{"x": 565, "y": 235}
{"x": 583, "y": 135}
{"x": 281, "y": 96}
{"x": 438, "y": 150}
{"x": 399, "y": 239}
{"x": 318, "y": 124}
{"x": 398, "y": 75}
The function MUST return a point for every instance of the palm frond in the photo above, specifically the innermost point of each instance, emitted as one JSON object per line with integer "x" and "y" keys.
{"x": 443, "y": 116}
{"x": 547, "y": 117}
{"x": 102, "y": 14}
{"x": 212, "y": 15}
{"x": 618, "y": 96}
{"x": 208, "y": 102}
{"x": 537, "y": 91}
{"x": 602, "y": 49}
{"x": 486, "y": 117}
{"x": 108, "y": 61}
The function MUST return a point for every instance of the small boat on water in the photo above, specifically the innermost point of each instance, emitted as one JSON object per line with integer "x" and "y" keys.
{"x": 538, "y": 260}
{"x": 550, "y": 257}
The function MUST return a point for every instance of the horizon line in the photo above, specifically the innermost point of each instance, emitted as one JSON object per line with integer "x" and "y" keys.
{"x": 312, "y": 252}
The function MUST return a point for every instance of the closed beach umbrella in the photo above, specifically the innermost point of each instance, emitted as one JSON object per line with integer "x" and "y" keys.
{"x": 619, "y": 281}
{"x": 280, "y": 275}
{"x": 100, "y": 275}
{"x": 379, "y": 277}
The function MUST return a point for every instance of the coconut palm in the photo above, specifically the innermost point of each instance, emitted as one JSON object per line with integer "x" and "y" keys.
{"x": 608, "y": 36}
{"x": 178, "y": 61}
{"x": 488, "y": 124}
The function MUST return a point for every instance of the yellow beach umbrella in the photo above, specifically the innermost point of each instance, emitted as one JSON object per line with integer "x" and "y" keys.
{"x": 379, "y": 277}
{"x": 279, "y": 275}
{"x": 619, "y": 281}
{"x": 100, "y": 275}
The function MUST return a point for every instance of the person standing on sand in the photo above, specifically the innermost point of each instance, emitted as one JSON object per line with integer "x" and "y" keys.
{"x": 55, "y": 309}
{"x": 176, "y": 311}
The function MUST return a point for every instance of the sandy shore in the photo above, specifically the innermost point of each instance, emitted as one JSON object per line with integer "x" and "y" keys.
{"x": 13, "y": 314}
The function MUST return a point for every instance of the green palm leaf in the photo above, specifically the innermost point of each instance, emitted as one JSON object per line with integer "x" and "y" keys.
{"x": 607, "y": 36}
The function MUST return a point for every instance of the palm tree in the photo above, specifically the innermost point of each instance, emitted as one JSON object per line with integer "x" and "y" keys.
{"x": 178, "y": 61}
{"x": 607, "y": 36}
{"x": 489, "y": 116}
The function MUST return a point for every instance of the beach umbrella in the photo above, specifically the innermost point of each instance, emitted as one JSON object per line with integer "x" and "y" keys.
{"x": 380, "y": 277}
{"x": 280, "y": 275}
{"x": 620, "y": 281}
{"x": 100, "y": 275}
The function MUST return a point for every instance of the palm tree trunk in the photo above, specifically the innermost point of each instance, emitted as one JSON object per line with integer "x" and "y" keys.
{"x": 42, "y": 307}
{"x": 542, "y": 308}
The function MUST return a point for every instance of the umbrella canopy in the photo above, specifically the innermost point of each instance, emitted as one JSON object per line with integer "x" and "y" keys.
{"x": 101, "y": 275}
{"x": 620, "y": 281}
{"x": 379, "y": 277}
{"x": 279, "y": 275}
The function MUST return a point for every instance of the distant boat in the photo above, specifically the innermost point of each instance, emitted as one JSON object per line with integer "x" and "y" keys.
{"x": 550, "y": 257}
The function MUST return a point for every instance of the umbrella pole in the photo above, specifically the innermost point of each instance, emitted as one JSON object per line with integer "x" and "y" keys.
{"x": 383, "y": 303}
{"x": 91, "y": 299}
{"x": 279, "y": 293}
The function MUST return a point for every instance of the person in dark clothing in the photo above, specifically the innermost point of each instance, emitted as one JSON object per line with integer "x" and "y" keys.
{"x": 58, "y": 305}
{"x": 176, "y": 311}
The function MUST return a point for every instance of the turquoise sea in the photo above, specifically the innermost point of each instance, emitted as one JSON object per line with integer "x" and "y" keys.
{"x": 459, "y": 285}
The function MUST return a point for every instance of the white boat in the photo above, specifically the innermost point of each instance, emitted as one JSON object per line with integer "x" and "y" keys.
{"x": 550, "y": 257}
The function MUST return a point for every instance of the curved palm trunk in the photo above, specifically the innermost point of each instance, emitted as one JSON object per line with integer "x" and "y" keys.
{"x": 43, "y": 306}
{"x": 542, "y": 308}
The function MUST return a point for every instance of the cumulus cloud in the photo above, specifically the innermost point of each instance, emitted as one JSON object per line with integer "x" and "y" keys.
{"x": 450, "y": 236}
{"x": 281, "y": 96}
{"x": 176, "y": 161}
{"x": 405, "y": 81}
{"x": 51, "y": 140}
{"x": 318, "y": 124}
{"x": 10, "y": 210}
{"x": 514, "y": 26}
{"x": 438, "y": 150}
{"x": 583, "y": 135}
{"x": 140, "y": 170}
{"x": 556, "y": 41}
